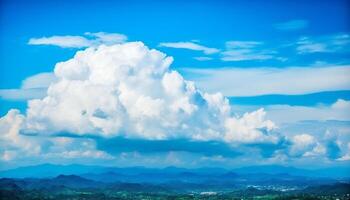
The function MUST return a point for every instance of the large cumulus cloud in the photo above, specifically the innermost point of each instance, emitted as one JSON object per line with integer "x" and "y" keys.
{"x": 129, "y": 90}
{"x": 127, "y": 95}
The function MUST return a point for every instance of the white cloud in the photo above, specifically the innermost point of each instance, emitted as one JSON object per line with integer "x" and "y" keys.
{"x": 346, "y": 156}
{"x": 33, "y": 87}
{"x": 41, "y": 80}
{"x": 306, "y": 145}
{"x": 246, "y": 129}
{"x": 323, "y": 44}
{"x": 15, "y": 146}
{"x": 303, "y": 140}
{"x": 22, "y": 94}
{"x": 74, "y": 148}
{"x": 307, "y": 46}
{"x": 242, "y": 44}
{"x": 12, "y": 143}
{"x": 189, "y": 45}
{"x": 78, "y": 154}
{"x": 203, "y": 58}
{"x": 128, "y": 90}
{"x": 108, "y": 38}
{"x": 66, "y": 41}
{"x": 337, "y": 111}
{"x": 69, "y": 41}
{"x": 260, "y": 81}
{"x": 312, "y": 48}
{"x": 341, "y": 104}
{"x": 292, "y": 25}
{"x": 245, "y": 50}
{"x": 246, "y": 54}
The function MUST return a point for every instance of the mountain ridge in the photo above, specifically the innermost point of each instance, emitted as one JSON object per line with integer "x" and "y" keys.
{"x": 52, "y": 170}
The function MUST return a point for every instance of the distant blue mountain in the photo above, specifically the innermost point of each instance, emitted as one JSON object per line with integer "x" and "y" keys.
{"x": 136, "y": 174}
{"x": 331, "y": 172}
{"x": 48, "y": 170}
{"x": 51, "y": 177}
{"x": 52, "y": 170}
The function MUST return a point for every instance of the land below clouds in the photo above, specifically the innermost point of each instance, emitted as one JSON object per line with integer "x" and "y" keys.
{"x": 269, "y": 179}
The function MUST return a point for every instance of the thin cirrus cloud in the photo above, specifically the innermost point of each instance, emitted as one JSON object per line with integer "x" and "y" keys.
{"x": 259, "y": 51}
{"x": 292, "y": 25}
{"x": 237, "y": 50}
{"x": 246, "y": 50}
{"x": 89, "y": 39}
{"x": 32, "y": 87}
{"x": 336, "y": 111}
{"x": 323, "y": 44}
{"x": 190, "y": 46}
{"x": 234, "y": 50}
{"x": 203, "y": 58}
{"x": 261, "y": 81}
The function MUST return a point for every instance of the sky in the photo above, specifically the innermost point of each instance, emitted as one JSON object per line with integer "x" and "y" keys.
{"x": 175, "y": 83}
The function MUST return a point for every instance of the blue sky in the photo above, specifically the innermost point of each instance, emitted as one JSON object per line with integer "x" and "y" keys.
{"x": 289, "y": 58}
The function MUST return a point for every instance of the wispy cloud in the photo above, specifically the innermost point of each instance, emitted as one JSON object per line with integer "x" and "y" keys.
{"x": 89, "y": 39}
{"x": 41, "y": 80}
{"x": 259, "y": 51}
{"x": 22, "y": 94}
{"x": 66, "y": 41}
{"x": 189, "y": 45}
{"x": 203, "y": 58}
{"x": 246, "y": 50}
{"x": 33, "y": 87}
{"x": 242, "y": 44}
{"x": 246, "y": 54}
{"x": 306, "y": 45}
{"x": 323, "y": 44}
{"x": 260, "y": 81}
{"x": 107, "y": 38}
{"x": 336, "y": 111}
{"x": 292, "y": 25}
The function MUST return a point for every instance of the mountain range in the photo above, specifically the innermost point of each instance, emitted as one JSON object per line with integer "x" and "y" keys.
{"x": 53, "y": 170}
{"x": 98, "y": 182}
